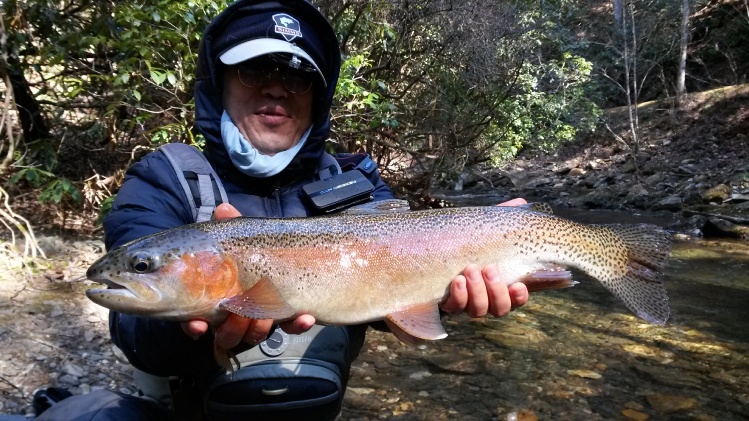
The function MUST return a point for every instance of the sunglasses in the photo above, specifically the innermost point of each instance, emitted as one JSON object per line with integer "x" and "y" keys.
{"x": 295, "y": 81}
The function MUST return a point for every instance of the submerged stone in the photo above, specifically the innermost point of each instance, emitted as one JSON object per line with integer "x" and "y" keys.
{"x": 667, "y": 404}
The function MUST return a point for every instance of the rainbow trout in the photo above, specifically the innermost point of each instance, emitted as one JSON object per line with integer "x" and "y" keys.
{"x": 374, "y": 262}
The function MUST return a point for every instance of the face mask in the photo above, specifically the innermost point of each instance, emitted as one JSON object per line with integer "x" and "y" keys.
{"x": 247, "y": 159}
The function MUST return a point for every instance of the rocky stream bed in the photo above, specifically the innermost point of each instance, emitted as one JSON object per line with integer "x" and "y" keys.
{"x": 575, "y": 354}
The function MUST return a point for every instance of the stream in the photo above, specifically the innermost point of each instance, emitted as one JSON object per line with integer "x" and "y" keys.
{"x": 573, "y": 354}
{"x": 578, "y": 354}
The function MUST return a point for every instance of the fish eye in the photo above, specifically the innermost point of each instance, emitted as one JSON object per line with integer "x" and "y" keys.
{"x": 141, "y": 263}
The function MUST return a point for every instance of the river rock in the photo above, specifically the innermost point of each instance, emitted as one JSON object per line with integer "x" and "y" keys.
{"x": 722, "y": 228}
{"x": 634, "y": 415}
{"x": 361, "y": 402}
{"x": 576, "y": 172}
{"x": 522, "y": 415}
{"x": 655, "y": 179}
{"x": 665, "y": 375}
{"x": 516, "y": 336}
{"x": 73, "y": 370}
{"x": 670, "y": 203}
{"x": 585, "y": 374}
{"x": 719, "y": 194}
{"x": 668, "y": 404}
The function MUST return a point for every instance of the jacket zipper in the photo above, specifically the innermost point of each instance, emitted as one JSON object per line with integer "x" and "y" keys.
{"x": 277, "y": 202}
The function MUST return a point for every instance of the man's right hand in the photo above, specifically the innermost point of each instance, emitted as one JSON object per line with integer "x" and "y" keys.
{"x": 236, "y": 329}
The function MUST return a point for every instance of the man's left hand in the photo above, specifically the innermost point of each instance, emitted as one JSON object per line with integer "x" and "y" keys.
{"x": 480, "y": 291}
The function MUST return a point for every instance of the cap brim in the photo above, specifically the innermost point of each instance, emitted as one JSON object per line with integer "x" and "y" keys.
{"x": 260, "y": 47}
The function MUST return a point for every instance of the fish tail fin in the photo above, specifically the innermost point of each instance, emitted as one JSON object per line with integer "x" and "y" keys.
{"x": 641, "y": 288}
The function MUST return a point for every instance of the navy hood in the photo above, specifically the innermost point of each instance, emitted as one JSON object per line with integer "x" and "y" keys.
{"x": 222, "y": 34}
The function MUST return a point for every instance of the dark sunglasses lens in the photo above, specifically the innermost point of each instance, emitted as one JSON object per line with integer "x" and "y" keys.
{"x": 251, "y": 77}
{"x": 298, "y": 83}
{"x": 295, "y": 82}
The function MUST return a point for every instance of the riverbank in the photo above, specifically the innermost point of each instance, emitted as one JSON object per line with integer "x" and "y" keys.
{"x": 691, "y": 164}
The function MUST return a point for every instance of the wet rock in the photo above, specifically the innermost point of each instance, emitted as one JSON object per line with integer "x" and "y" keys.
{"x": 668, "y": 404}
{"x": 460, "y": 365}
{"x": 665, "y": 375}
{"x": 655, "y": 179}
{"x": 539, "y": 182}
{"x": 637, "y": 190}
{"x": 635, "y": 415}
{"x": 522, "y": 415}
{"x": 719, "y": 194}
{"x": 628, "y": 167}
{"x": 419, "y": 375}
{"x": 361, "y": 390}
{"x": 73, "y": 370}
{"x": 586, "y": 374}
{"x": 719, "y": 227}
{"x": 576, "y": 172}
{"x": 671, "y": 203}
{"x": 516, "y": 336}
{"x": 68, "y": 380}
{"x": 739, "y": 197}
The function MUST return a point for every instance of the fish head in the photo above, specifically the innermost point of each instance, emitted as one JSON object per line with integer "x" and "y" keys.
{"x": 179, "y": 274}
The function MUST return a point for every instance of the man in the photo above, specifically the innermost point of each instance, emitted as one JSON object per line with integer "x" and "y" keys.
{"x": 266, "y": 76}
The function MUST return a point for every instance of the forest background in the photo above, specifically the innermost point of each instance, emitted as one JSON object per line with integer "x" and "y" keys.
{"x": 431, "y": 89}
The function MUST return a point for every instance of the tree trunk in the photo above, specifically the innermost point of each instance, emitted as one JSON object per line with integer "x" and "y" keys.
{"x": 29, "y": 111}
{"x": 618, "y": 13}
{"x": 682, "y": 73}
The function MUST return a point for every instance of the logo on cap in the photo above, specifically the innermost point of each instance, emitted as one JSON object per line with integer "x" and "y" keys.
{"x": 287, "y": 26}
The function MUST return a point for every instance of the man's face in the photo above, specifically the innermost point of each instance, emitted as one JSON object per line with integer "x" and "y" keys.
{"x": 267, "y": 114}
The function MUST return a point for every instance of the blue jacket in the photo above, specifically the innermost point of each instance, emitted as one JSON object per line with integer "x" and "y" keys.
{"x": 151, "y": 200}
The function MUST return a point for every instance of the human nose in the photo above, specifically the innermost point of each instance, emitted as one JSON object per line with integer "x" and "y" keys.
{"x": 274, "y": 86}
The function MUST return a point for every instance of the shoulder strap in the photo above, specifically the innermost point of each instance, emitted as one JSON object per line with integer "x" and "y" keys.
{"x": 328, "y": 166}
{"x": 187, "y": 160}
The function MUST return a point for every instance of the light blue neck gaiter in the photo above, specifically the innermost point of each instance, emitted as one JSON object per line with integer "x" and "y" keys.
{"x": 247, "y": 159}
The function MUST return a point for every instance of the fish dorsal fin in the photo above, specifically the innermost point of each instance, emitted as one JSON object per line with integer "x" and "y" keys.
{"x": 541, "y": 207}
{"x": 262, "y": 301}
{"x": 421, "y": 321}
{"x": 379, "y": 207}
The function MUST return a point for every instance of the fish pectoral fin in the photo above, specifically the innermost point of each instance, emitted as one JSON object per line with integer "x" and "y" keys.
{"x": 262, "y": 301}
{"x": 416, "y": 323}
{"x": 548, "y": 278}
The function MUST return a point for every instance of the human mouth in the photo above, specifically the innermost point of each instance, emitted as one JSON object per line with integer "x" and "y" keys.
{"x": 273, "y": 115}
{"x": 273, "y": 111}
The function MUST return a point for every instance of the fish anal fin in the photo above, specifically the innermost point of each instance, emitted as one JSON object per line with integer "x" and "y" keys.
{"x": 549, "y": 278}
{"x": 402, "y": 335}
{"x": 419, "y": 322}
{"x": 262, "y": 301}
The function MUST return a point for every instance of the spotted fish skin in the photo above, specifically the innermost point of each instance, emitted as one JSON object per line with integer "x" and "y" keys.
{"x": 361, "y": 267}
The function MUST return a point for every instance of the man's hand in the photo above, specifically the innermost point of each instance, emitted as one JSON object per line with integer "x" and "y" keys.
{"x": 479, "y": 291}
{"x": 236, "y": 329}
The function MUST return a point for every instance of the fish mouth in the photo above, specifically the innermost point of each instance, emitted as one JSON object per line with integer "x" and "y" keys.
{"x": 125, "y": 289}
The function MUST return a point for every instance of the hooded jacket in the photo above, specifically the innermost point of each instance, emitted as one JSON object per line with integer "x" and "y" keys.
{"x": 151, "y": 198}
